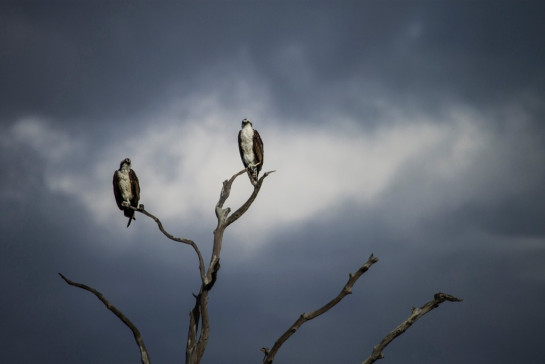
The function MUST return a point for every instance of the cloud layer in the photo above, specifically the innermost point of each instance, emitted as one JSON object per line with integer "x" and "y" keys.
{"x": 318, "y": 171}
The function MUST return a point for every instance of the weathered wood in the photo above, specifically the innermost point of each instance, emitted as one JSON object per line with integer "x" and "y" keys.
{"x": 197, "y": 344}
{"x": 346, "y": 290}
{"x": 174, "y": 238}
{"x": 137, "y": 336}
{"x": 438, "y": 298}
{"x": 197, "y": 340}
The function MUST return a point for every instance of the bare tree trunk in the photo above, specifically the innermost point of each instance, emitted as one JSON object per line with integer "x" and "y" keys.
{"x": 196, "y": 340}
{"x": 196, "y": 343}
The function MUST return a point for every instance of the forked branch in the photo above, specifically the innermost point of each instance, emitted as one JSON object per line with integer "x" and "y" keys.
{"x": 242, "y": 209}
{"x": 137, "y": 336}
{"x": 438, "y": 298}
{"x": 197, "y": 342}
{"x": 346, "y": 290}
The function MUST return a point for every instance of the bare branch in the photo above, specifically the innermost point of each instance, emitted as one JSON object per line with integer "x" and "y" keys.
{"x": 224, "y": 220}
{"x": 195, "y": 349}
{"x": 137, "y": 336}
{"x": 438, "y": 298}
{"x": 226, "y": 190}
{"x": 172, "y": 237}
{"x": 346, "y": 290}
{"x": 242, "y": 209}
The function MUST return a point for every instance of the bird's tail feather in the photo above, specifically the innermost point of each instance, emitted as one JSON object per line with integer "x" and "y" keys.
{"x": 131, "y": 218}
{"x": 253, "y": 173}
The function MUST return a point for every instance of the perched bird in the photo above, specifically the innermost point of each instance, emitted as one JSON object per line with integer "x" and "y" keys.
{"x": 251, "y": 149}
{"x": 126, "y": 189}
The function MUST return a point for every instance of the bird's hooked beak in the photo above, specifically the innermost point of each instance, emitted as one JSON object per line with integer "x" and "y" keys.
{"x": 126, "y": 161}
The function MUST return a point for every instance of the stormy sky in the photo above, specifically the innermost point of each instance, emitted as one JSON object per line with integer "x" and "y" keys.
{"x": 411, "y": 130}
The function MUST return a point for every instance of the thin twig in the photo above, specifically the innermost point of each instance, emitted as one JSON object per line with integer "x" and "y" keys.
{"x": 137, "y": 336}
{"x": 346, "y": 290}
{"x": 174, "y": 238}
{"x": 438, "y": 298}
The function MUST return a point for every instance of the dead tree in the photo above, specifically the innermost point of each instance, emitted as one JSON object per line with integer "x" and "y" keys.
{"x": 197, "y": 340}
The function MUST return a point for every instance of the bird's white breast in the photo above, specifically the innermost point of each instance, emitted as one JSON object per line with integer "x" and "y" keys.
{"x": 125, "y": 184}
{"x": 247, "y": 144}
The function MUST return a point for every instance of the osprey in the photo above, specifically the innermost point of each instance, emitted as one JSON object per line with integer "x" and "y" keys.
{"x": 126, "y": 189}
{"x": 251, "y": 149}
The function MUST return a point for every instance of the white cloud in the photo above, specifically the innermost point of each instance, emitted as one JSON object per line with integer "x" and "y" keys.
{"x": 181, "y": 167}
{"x": 46, "y": 142}
{"x": 32, "y": 139}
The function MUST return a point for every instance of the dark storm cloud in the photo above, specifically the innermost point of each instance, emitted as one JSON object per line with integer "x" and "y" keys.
{"x": 88, "y": 59}
{"x": 117, "y": 59}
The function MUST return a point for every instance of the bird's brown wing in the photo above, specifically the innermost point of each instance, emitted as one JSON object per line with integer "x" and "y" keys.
{"x": 258, "y": 150}
{"x": 135, "y": 188}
